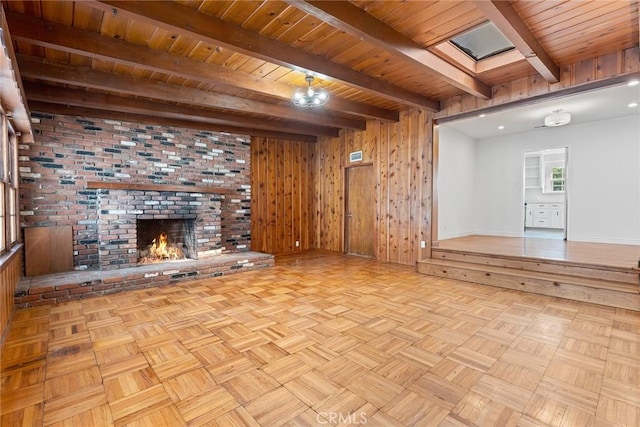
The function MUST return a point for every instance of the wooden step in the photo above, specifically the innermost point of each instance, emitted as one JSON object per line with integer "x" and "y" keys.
{"x": 597, "y": 291}
{"x": 629, "y": 275}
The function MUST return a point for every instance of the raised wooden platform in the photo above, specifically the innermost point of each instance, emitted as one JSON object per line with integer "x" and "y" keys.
{"x": 73, "y": 285}
{"x": 597, "y": 273}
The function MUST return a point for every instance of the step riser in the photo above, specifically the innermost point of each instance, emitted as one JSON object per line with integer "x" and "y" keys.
{"x": 538, "y": 286}
{"x": 566, "y": 269}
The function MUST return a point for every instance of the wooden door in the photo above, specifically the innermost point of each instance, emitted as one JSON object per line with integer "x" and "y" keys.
{"x": 360, "y": 211}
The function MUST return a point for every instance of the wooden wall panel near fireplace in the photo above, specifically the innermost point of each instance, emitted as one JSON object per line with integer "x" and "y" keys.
{"x": 72, "y": 157}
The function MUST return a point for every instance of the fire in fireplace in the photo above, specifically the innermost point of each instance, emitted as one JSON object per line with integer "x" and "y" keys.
{"x": 161, "y": 240}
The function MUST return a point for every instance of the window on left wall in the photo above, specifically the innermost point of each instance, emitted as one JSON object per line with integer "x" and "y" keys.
{"x": 8, "y": 185}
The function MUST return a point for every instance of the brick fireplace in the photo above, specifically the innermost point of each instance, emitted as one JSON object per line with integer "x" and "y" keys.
{"x": 107, "y": 179}
{"x": 103, "y": 176}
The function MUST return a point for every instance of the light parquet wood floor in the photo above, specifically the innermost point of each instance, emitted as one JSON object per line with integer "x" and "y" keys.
{"x": 607, "y": 254}
{"x": 322, "y": 339}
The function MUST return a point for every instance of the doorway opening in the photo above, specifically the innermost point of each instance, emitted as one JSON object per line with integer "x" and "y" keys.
{"x": 545, "y": 193}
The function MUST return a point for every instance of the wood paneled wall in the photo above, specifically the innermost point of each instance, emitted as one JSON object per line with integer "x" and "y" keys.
{"x": 401, "y": 157}
{"x": 10, "y": 274}
{"x": 282, "y": 179}
{"x": 601, "y": 68}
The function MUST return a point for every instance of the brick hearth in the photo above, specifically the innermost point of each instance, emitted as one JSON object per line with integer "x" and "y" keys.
{"x": 54, "y": 288}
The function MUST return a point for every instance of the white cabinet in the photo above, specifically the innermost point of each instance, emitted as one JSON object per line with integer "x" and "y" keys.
{"x": 557, "y": 215}
{"x": 528, "y": 219}
{"x": 544, "y": 215}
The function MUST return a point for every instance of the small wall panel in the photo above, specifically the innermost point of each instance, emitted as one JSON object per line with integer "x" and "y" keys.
{"x": 48, "y": 250}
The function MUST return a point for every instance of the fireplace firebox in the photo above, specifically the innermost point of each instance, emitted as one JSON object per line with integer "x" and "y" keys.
{"x": 141, "y": 226}
{"x": 162, "y": 240}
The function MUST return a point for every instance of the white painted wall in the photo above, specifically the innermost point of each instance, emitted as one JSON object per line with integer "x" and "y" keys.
{"x": 456, "y": 185}
{"x": 604, "y": 197}
{"x": 603, "y": 176}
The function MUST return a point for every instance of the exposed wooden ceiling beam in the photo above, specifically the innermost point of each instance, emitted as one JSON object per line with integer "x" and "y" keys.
{"x": 93, "y": 45}
{"x": 81, "y": 98}
{"x": 101, "y": 80}
{"x": 46, "y": 107}
{"x": 184, "y": 20}
{"x": 507, "y": 20}
{"x": 350, "y": 18}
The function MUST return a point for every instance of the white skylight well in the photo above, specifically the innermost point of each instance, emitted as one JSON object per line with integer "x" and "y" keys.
{"x": 482, "y": 42}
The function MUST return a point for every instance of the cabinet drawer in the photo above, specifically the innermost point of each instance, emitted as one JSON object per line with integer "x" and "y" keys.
{"x": 542, "y": 213}
{"x": 555, "y": 205}
{"x": 541, "y": 222}
{"x": 541, "y": 205}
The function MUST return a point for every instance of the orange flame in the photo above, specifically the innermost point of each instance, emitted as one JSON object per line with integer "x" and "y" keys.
{"x": 161, "y": 250}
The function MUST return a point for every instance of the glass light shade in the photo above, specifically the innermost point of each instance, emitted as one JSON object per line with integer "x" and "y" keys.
{"x": 310, "y": 97}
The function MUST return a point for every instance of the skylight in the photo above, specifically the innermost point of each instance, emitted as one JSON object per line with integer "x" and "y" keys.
{"x": 482, "y": 42}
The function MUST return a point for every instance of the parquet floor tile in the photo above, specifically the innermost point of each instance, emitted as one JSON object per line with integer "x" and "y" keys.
{"x": 275, "y": 407}
{"x": 322, "y": 339}
{"x": 410, "y": 409}
{"x": 251, "y": 385}
{"x": 375, "y": 388}
{"x": 129, "y": 382}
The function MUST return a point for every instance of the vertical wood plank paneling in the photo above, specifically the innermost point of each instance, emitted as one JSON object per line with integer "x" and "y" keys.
{"x": 631, "y": 61}
{"x": 594, "y": 69}
{"x": 608, "y": 64}
{"x": 520, "y": 88}
{"x": 404, "y": 207}
{"x": 537, "y": 85}
{"x": 394, "y": 186}
{"x": 397, "y": 151}
{"x": 426, "y": 179}
{"x": 10, "y": 274}
{"x": 383, "y": 200}
{"x": 583, "y": 72}
{"x": 295, "y": 206}
{"x": 416, "y": 189}
{"x": 306, "y": 200}
{"x": 372, "y": 143}
{"x": 280, "y": 179}
{"x": 258, "y": 196}
{"x": 287, "y": 219}
{"x": 272, "y": 212}
{"x": 308, "y": 173}
{"x": 325, "y": 213}
{"x": 282, "y": 203}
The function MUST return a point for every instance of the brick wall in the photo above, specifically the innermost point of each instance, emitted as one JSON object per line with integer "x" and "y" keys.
{"x": 70, "y": 151}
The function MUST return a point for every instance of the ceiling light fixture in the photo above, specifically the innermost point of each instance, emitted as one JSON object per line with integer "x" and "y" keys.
{"x": 310, "y": 97}
{"x": 633, "y": 83}
{"x": 557, "y": 118}
{"x": 632, "y": 104}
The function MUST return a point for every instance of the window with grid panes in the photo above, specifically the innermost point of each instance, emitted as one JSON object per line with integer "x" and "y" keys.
{"x": 8, "y": 185}
{"x": 12, "y": 199}
{"x": 4, "y": 161}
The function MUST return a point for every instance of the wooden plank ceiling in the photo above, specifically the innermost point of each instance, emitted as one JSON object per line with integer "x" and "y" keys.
{"x": 233, "y": 65}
